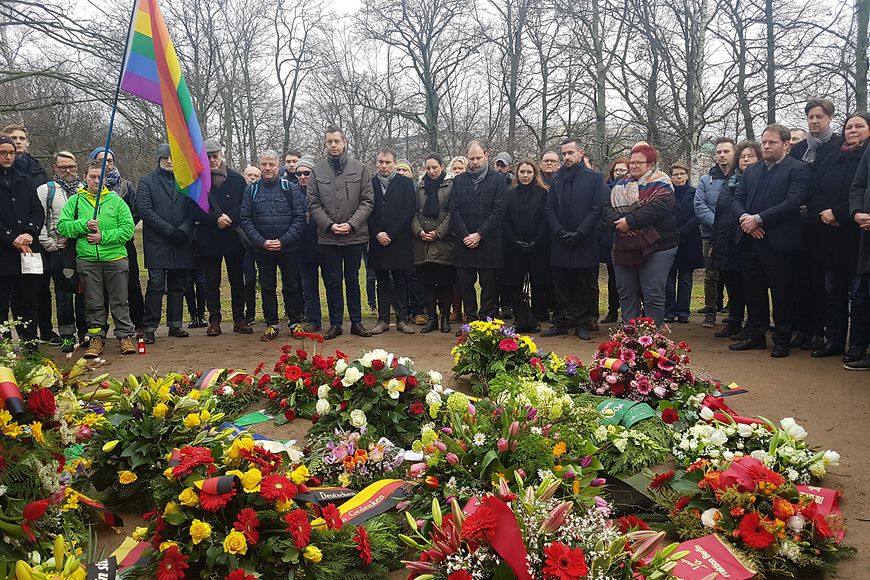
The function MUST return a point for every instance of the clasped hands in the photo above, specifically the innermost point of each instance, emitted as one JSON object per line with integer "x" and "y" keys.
{"x": 751, "y": 226}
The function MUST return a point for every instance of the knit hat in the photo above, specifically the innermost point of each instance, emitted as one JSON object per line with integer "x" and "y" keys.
{"x": 99, "y": 150}
{"x": 305, "y": 161}
{"x": 404, "y": 163}
{"x": 212, "y": 146}
{"x": 6, "y": 140}
{"x": 504, "y": 158}
{"x": 163, "y": 151}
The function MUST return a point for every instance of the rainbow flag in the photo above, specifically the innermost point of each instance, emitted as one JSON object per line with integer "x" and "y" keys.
{"x": 152, "y": 71}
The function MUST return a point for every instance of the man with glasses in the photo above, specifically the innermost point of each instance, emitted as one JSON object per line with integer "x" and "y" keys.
{"x": 549, "y": 166}
{"x": 218, "y": 241}
{"x": 70, "y": 306}
{"x": 310, "y": 258}
{"x": 767, "y": 203}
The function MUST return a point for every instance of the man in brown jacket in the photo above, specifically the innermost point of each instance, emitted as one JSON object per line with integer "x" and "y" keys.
{"x": 340, "y": 200}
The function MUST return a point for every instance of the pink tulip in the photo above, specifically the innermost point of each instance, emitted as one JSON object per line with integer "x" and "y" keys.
{"x": 418, "y": 469}
{"x": 502, "y": 445}
{"x": 441, "y": 446}
{"x": 452, "y": 458}
{"x": 514, "y": 428}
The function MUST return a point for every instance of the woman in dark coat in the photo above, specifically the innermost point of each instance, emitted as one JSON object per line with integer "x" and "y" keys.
{"x": 618, "y": 170}
{"x": 836, "y": 240}
{"x": 527, "y": 245}
{"x": 678, "y": 293}
{"x": 859, "y": 210}
{"x": 434, "y": 242}
{"x": 723, "y": 241}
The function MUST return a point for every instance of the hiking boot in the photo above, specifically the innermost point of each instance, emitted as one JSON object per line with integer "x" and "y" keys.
{"x": 127, "y": 346}
{"x": 95, "y": 347}
{"x": 379, "y": 328}
{"x": 214, "y": 329}
{"x": 420, "y": 320}
{"x": 270, "y": 333}
{"x": 69, "y": 344}
{"x": 709, "y": 320}
{"x": 243, "y": 327}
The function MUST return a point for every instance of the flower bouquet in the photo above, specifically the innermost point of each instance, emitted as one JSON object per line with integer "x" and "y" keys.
{"x": 228, "y": 510}
{"x": 354, "y": 459}
{"x": 233, "y": 391}
{"x": 489, "y": 347}
{"x": 298, "y": 374}
{"x": 775, "y": 528}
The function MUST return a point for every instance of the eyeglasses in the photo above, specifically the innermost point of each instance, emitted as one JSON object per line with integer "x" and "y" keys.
{"x": 303, "y": 173}
{"x": 66, "y": 167}
{"x": 638, "y": 162}
{"x": 7, "y": 153}
{"x": 549, "y": 161}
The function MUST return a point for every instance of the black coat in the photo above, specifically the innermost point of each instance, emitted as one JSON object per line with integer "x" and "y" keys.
{"x": 829, "y": 189}
{"x": 726, "y": 229}
{"x": 20, "y": 213}
{"x": 478, "y": 209}
{"x": 777, "y": 202}
{"x": 689, "y": 253}
{"x": 575, "y": 204}
{"x": 274, "y": 211}
{"x": 30, "y": 167}
{"x": 832, "y": 146}
{"x": 165, "y": 210}
{"x": 309, "y": 249}
{"x": 859, "y": 201}
{"x": 210, "y": 239}
{"x": 392, "y": 213}
{"x": 525, "y": 220}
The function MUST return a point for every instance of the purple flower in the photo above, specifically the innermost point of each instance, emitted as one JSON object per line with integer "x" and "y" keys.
{"x": 598, "y": 482}
{"x": 571, "y": 370}
{"x": 586, "y": 461}
{"x": 568, "y": 475}
{"x": 532, "y": 413}
{"x": 465, "y": 328}
{"x": 508, "y": 331}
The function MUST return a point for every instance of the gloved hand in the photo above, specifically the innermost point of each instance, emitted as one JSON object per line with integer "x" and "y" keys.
{"x": 178, "y": 237}
{"x": 563, "y": 236}
{"x": 523, "y": 246}
{"x": 574, "y": 239}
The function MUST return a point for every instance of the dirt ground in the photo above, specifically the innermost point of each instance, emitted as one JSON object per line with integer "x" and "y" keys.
{"x": 831, "y": 403}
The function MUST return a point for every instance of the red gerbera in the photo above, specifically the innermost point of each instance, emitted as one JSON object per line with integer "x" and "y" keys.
{"x": 631, "y": 522}
{"x": 508, "y": 345}
{"x": 213, "y": 502}
{"x": 239, "y": 574}
{"x": 661, "y": 480}
{"x": 259, "y": 367}
{"x": 277, "y": 488}
{"x": 362, "y": 545}
{"x": 370, "y": 380}
{"x": 299, "y": 528}
{"x": 459, "y": 575}
{"x": 332, "y": 517}
{"x": 682, "y": 503}
{"x": 172, "y": 564}
{"x": 247, "y": 522}
{"x": 416, "y": 408}
{"x": 292, "y": 373}
{"x": 266, "y": 460}
{"x": 670, "y": 416}
{"x": 564, "y": 563}
{"x": 820, "y": 524}
{"x": 478, "y": 523}
{"x": 191, "y": 458}
{"x": 754, "y": 532}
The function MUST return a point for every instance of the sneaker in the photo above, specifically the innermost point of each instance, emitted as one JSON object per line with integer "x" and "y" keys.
{"x": 373, "y": 311}
{"x": 270, "y": 333}
{"x": 380, "y": 327}
{"x": 69, "y": 344}
{"x": 420, "y": 320}
{"x": 127, "y": 346}
{"x": 709, "y": 320}
{"x": 51, "y": 338}
{"x": 858, "y": 365}
{"x": 95, "y": 347}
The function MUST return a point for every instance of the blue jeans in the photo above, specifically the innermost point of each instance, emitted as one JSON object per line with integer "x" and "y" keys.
{"x": 311, "y": 293}
{"x": 678, "y": 293}
{"x": 646, "y": 281}
{"x": 268, "y": 263}
{"x": 342, "y": 262}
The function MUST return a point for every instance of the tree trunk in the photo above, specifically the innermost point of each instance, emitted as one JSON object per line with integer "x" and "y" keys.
{"x": 862, "y": 16}
{"x": 770, "y": 65}
{"x": 600, "y": 146}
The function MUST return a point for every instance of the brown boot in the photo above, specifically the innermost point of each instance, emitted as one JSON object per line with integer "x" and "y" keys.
{"x": 127, "y": 346}
{"x": 242, "y": 327}
{"x": 95, "y": 347}
{"x": 214, "y": 329}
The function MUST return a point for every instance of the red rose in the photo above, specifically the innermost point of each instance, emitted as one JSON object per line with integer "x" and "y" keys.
{"x": 377, "y": 365}
{"x": 411, "y": 381}
{"x": 315, "y": 418}
{"x": 370, "y": 380}
{"x": 264, "y": 380}
{"x": 670, "y": 416}
{"x": 284, "y": 358}
{"x": 416, "y": 408}
{"x": 617, "y": 388}
{"x": 290, "y": 414}
{"x": 301, "y": 354}
{"x": 342, "y": 406}
{"x": 595, "y": 375}
{"x": 41, "y": 402}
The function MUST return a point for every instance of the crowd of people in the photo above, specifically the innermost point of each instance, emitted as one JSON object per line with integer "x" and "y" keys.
{"x": 784, "y": 221}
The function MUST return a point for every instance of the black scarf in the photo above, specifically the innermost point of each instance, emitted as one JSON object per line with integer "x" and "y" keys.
{"x": 70, "y": 187}
{"x": 112, "y": 179}
{"x": 432, "y": 207}
{"x": 337, "y": 162}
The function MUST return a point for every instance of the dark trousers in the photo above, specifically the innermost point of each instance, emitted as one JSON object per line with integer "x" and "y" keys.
{"x": 527, "y": 309}
{"x": 736, "y": 295}
{"x": 308, "y": 273}
{"x": 294, "y": 306}
{"x": 371, "y": 282}
{"x": 171, "y": 283}
{"x": 212, "y": 268}
{"x": 18, "y": 292}
{"x": 416, "y": 300}
{"x": 763, "y": 270}
{"x": 488, "y": 278}
{"x": 43, "y": 300}
{"x": 250, "y": 272}
{"x": 70, "y": 306}
{"x": 197, "y": 287}
{"x": 395, "y": 294}
{"x": 342, "y": 263}
{"x": 134, "y": 287}
{"x": 437, "y": 296}
{"x": 268, "y": 264}
{"x": 574, "y": 294}
{"x": 808, "y": 290}
{"x": 847, "y": 293}
{"x": 678, "y": 293}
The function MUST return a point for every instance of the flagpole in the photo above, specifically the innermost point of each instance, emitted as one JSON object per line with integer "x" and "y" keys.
{"x": 114, "y": 110}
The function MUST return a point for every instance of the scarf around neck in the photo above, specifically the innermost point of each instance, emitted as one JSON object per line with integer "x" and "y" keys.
{"x": 337, "y": 162}
{"x": 629, "y": 194}
{"x": 385, "y": 181}
{"x": 432, "y": 207}
{"x": 113, "y": 178}
{"x": 477, "y": 176}
{"x": 70, "y": 188}
{"x": 219, "y": 175}
{"x": 814, "y": 143}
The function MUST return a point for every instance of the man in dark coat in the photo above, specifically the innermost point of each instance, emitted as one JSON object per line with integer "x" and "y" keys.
{"x": 217, "y": 240}
{"x": 21, "y": 219}
{"x": 273, "y": 218}
{"x": 678, "y": 292}
{"x": 809, "y": 278}
{"x": 390, "y": 251}
{"x": 573, "y": 212}
{"x": 767, "y": 203}
{"x": 25, "y": 164}
{"x": 476, "y": 210}
{"x": 859, "y": 209}
{"x": 167, "y": 232}
{"x": 340, "y": 201}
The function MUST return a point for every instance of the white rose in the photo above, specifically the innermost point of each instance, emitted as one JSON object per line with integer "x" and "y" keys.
{"x": 831, "y": 458}
{"x": 340, "y": 366}
{"x": 366, "y": 360}
{"x": 744, "y": 430}
{"x": 379, "y": 354}
{"x": 792, "y": 429}
{"x": 227, "y": 390}
{"x": 351, "y": 376}
{"x": 817, "y": 469}
{"x": 323, "y": 391}
{"x": 322, "y": 407}
{"x": 705, "y": 413}
{"x": 796, "y": 523}
{"x": 710, "y": 517}
{"x": 406, "y": 361}
{"x": 727, "y": 455}
{"x": 435, "y": 376}
{"x": 432, "y": 398}
{"x": 358, "y": 418}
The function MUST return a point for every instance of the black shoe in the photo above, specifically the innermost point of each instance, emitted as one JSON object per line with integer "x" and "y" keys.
{"x": 334, "y": 330}
{"x": 148, "y": 337}
{"x": 178, "y": 333}
{"x": 828, "y": 350}
{"x": 729, "y": 330}
{"x": 196, "y": 322}
{"x": 854, "y": 354}
{"x": 817, "y": 342}
{"x": 683, "y": 319}
{"x": 749, "y": 344}
{"x": 779, "y": 351}
{"x": 445, "y": 324}
{"x": 51, "y": 338}
{"x": 798, "y": 340}
{"x": 707, "y": 310}
{"x": 359, "y": 330}
{"x": 611, "y": 317}
{"x": 582, "y": 333}
{"x": 858, "y": 365}
{"x": 670, "y": 319}
{"x": 430, "y": 326}
{"x": 555, "y": 330}
{"x": 507, "y": 313}
{"x": 742, "y": 335}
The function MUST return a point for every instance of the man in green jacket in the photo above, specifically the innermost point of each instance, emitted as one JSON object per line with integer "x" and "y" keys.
{"x": 101, "y": 259}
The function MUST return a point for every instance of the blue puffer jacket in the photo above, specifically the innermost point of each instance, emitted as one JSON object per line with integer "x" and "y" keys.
{"x": 273, "y": 211}
{"x": 706, "y": 195}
